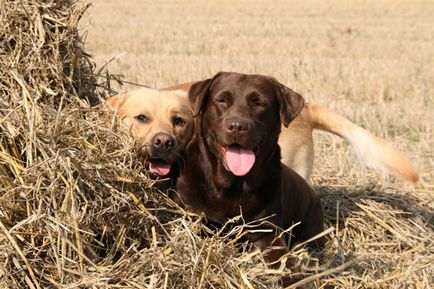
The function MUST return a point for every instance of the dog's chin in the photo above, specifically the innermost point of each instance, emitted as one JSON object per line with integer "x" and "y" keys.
{"x": 237, "y": 159}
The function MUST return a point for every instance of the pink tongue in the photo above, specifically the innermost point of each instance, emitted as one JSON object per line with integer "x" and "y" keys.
{"x": 239, "y": 160}
{"x": 160, "y": 168}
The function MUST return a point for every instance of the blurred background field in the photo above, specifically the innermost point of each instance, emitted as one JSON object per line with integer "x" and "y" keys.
{"x": 371, "y": 61}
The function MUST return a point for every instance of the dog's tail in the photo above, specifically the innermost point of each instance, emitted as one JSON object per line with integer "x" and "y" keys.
{"x": 374, "y": 151}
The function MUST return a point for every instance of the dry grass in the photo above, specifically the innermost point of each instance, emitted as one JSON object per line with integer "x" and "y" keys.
{"x": 76, "y": 208}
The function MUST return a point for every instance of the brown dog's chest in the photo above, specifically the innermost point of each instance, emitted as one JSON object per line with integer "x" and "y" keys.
{"x": 206, "y": 186}
{"x": 219, "y": 205}
{"x": 222, "y": 197}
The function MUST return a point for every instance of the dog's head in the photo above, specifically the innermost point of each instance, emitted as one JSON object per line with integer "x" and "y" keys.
{"x": 240, "y": 116}
{"x": 160, "y": 121}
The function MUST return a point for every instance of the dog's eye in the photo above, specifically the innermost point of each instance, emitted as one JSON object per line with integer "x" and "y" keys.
{"x": 223, "y": 102}
{"x": 259, "y": 106}
{"x": 142, "y": 118}
{"x": 223, "y": 99}
{"x": 256, "y": 102}
{"x": 178, "y": 121}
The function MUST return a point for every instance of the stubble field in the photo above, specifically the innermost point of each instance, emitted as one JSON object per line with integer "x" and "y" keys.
{"x": 371, "y": 61}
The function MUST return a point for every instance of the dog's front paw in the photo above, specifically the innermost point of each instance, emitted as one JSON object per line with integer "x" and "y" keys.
{"x": 296, "y": 274}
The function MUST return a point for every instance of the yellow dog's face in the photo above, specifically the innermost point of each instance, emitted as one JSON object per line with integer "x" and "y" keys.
{"x": 161, "y": 121}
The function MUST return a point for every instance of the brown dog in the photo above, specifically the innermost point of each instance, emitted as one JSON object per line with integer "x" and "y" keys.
{"x": 233, "y": 161}
{"x": 162, "y": 124}
{"x": 297, "y": 144}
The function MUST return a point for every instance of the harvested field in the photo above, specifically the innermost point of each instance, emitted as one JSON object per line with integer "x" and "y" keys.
{"x": 76, "y": 207}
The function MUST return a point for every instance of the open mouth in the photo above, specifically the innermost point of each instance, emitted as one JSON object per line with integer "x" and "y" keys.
{"x": 238, "y": 160}
{"x": 159, "y": 167}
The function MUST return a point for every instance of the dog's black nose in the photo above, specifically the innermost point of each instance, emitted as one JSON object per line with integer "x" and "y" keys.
{"x": 162, "y": 141}
{"x": 236, "y": 126}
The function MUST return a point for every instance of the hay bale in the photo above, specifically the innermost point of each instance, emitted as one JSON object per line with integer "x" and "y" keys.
{"x": 41, "y": 52}
{"x": 57, "y": 162}
{"x": 77, "y": 208}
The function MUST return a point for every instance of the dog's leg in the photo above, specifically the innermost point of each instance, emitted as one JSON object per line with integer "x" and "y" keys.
{"x": 273, "y": 249}
{"x": 296, "y": 145}
{"x": 300, "y": 158}
{"x": 312, "y": 225}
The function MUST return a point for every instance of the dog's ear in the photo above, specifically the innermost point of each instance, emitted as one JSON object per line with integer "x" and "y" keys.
{"x": 199, "y": 92}
{"x": 290, "y": 103}
{"x": 117, "y": 101}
